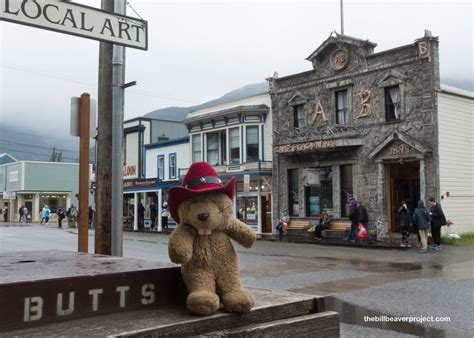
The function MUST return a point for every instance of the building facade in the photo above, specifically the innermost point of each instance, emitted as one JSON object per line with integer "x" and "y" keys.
{"x": 235, "y": 138}
{"x": 34, "y": 184}
{"x": 359, "y": 124}
{"x": 163, "y": 163}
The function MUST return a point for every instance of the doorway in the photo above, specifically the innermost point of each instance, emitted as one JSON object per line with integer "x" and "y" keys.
{"x": 403, "y": 184}
{"x": 266, "y": 214}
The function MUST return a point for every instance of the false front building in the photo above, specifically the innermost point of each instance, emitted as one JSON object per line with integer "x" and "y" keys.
{"x": 367, "y": 125}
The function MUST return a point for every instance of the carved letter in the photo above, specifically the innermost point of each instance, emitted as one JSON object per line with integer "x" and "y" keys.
{"x": 423, "y": 48}
{"x": 319, "y": 111}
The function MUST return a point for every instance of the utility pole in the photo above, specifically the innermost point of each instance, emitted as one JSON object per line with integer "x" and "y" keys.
{"x": 83, "y": 229}
{"x": 118, "y": 79}
{"x": 103, "y": 244}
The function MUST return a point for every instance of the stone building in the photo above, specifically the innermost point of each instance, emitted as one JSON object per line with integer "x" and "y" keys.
{"x": 359, "y": 124}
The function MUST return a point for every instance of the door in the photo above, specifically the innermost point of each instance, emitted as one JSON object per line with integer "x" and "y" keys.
{"x": 266, "y": 213}
{"x": 404, "y": 186}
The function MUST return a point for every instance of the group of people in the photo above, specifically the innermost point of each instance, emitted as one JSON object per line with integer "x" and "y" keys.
{"x": 153, "y": 216}
{"x": 24, "y": 214}
{"x": 359, "y": 217}
{"x": 423, "y": 219}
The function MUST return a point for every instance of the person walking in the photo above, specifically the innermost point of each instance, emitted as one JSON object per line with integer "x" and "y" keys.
{"x": 354, "y": 216}
{"x": 364, "y": 219}
{"x": 61, "y": 215}
{"x": 422, "y": 219}
{"x": 5, "y": 213}
{"x": 438, "y": 219}
{"x": 164, "y": 215}
{"x": 46, "y": 214}
{"x": 20, "y": 214}
{"x": 25, "y": 214}
{"x": 153, "y": 215}
{"x": 42, "y": 214}
{"x": 405, "y": 224}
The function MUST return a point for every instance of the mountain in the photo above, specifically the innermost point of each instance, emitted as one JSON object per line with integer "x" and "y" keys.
{"x": 31, "y": 145}
{"x": 180, "y": 113}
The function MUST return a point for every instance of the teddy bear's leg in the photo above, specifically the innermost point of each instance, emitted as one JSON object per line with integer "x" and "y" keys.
{"x": 235, "y": 297}
{"x": 202, "y": 298}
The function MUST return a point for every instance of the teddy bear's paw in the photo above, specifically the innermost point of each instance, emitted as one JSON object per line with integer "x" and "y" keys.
{"x": 202, "y": 302}
{"x": 238, "y": 301}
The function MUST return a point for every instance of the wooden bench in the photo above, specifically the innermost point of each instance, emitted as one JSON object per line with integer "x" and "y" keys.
{"x": 337, "y": 229}
{"x": 299, "y": 224}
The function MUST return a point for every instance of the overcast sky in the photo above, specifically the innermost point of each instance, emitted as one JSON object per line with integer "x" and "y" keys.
{"x": 200, "y": 51}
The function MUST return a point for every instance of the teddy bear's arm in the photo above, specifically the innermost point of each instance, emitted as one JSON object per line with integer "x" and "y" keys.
{"x": 240, "y": 232}
{"x": 180, "y": 246}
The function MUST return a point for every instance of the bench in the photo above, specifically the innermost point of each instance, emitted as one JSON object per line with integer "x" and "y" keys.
{"x": 337, "y": 229}
{"x": 299, "y": 224}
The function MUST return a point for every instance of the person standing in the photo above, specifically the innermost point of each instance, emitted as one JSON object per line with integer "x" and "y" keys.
{"x": 5, "y": 213}
{"x": 25, "y": 213}
{"x": 141, "y": 216}
{"x": 164, "y": 215}
{"x": 153, "y": 215}
{"x": 405, "y": 223}
{"x": 354, "y": 215}
{"x": 90, "y": 217}
{"x": 42, "y": 214}
{"x": 20, "y": 214}
{"x": 46, "y": 214}
{"x": 422, "y": 219}
{"x": 364, "y": 219}
{"x": 438, "y": 219}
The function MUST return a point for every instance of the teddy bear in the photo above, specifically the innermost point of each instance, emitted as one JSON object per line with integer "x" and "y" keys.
{"x": 203, "y": 209}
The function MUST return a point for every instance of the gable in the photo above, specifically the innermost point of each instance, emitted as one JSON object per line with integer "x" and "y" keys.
{"x": 398, "y": 145}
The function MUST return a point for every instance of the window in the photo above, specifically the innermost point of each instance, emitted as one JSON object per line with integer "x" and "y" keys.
{"x": 392, "y": 103}
{"x": 342, "y": 113}
{"x": 234, "y": 144}
{"x": 318, "y": 196}
{"x": 213, "y": 148}
{"x": 172, "y": 164}
{"x": 196, "y": 148}
{"x": 252, "y": 143}
{"x": 293, "y": 192}
{"x": 299, "y": 118}
{"x": 346, "y": 189}
{"x": 223, "y": 137}
{"x": 161, "y": 167}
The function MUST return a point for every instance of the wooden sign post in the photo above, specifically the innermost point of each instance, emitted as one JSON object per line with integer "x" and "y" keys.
{"x": 84, "y": 157}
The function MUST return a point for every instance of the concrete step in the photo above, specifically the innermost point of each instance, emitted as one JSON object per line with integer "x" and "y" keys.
{"x": 40, "y": 287}
{"x": 273, "y": 307}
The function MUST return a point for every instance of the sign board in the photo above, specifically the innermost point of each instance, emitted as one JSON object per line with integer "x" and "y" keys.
{"x": 76, "y": 117}
{"x": 9, "y": 195}
{"x": 246, "y": 183}
{"x": 75, "y": 19}
{"x": 13, "y": 176}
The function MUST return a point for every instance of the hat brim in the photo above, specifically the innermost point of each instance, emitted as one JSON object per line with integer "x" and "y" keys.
{"x": 179, "y": 194}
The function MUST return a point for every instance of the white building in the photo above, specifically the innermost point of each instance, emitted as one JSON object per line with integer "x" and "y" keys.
{"x": 456, "y": 156}
{"x": 236, "y": 139}
{"x": 163, "y": 163}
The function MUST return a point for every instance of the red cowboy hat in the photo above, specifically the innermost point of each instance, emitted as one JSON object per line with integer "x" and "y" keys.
{"x": 200, "y": 178}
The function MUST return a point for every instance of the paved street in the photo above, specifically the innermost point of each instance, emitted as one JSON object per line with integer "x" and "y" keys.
{"x": 362, "y": 281}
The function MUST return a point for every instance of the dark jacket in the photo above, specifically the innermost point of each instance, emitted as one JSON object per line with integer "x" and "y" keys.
{"x": 437, "y": 216}
{"x": 354, "y": 214}
{"x": 421, "y": 218}
{"x": 405, "y": 220}
{"x": 363, "y": 215}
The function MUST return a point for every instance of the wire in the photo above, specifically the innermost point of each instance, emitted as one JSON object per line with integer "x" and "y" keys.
{"x": 70, "y": 79}
{"x": 40, "y": 147}
{"x": 43, "y": 155}
{"x": 133, "y": 9}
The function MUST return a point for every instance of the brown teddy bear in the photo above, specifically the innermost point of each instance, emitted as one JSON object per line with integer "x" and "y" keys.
{"x": 202, "y": 207}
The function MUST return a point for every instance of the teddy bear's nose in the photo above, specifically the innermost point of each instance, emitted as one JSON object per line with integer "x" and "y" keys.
{"x": 203, "y": 217}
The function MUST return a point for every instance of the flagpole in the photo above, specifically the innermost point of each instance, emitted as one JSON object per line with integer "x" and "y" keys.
{"x": 342, "y": 18}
